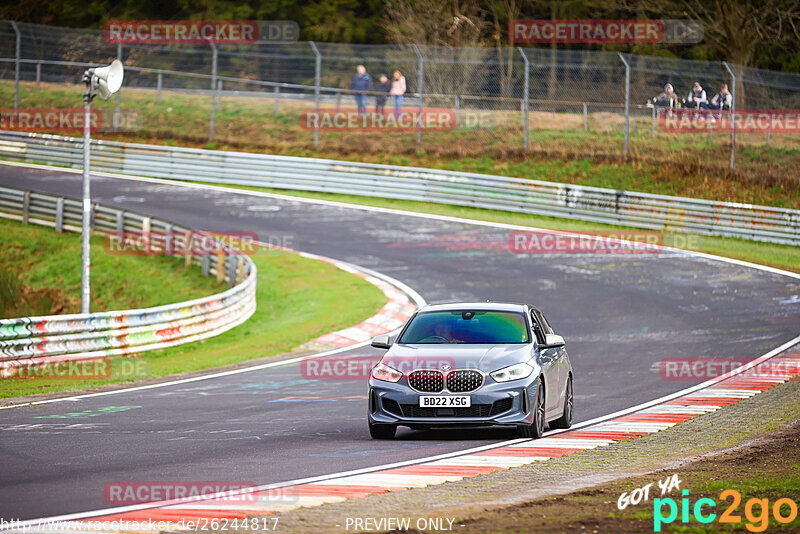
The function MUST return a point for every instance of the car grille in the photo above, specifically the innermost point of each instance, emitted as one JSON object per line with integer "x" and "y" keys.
{"x": 476, "y": 410}
{"x": 463, "y": 380}
{"x": 391, "y": 406}
{"x": 426, "y": 380}
{"x": 501, "y": 406}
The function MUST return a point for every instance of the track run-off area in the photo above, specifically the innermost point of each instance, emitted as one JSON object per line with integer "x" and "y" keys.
{"x": 622, "y": 316}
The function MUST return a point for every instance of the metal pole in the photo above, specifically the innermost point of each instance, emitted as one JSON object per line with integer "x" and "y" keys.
{"x": 585, "y": 118}
{"x": 627, "y": 100}
{"x": 159, "y": 85}
{"x": 87, "y": 202}
{"x": 117, "y": 114}
{"x": 317, "y": 83}
{"x": 38, "y": 74}
{"x": 420, "y": 81}
{"x": 16, "y": 66}
{"x": 213, "y": 87}
{"x": 653, "y": 126}
{"x": 525, "y": 99}
{"x": 733, "y": 114}
{"x": 277, "y": 94}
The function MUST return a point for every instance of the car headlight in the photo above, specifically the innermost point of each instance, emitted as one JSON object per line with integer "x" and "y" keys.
{"x": 386, "y": 373}
{"x": 512, "y": 372}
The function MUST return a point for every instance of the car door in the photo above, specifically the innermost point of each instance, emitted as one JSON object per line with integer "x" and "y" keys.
{"x": 548, "y": 360}
{"x": 556, "y": 382}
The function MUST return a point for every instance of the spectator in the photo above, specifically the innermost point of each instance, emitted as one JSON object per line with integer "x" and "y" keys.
{"x": 721, "y": 100}
{"x": 361, "y": 82}
{"x": 667, "y": 98}
{"x": 397, "y": 92}
{"x": 382, "y": 88}
{"x": 697, "y": 97}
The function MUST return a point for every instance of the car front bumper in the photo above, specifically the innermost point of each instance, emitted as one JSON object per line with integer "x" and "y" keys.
{"x": 494, "y": 403}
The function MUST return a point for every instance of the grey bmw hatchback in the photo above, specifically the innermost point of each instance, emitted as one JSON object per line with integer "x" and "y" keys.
{"x": 472, "y": 364}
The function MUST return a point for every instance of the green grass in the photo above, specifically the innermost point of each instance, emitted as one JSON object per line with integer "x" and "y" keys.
{"x": 781, "y": 256}
{"x": 48, "y": 262}
{"x": 678, "y": 164}
{"x": 298, "y": 300}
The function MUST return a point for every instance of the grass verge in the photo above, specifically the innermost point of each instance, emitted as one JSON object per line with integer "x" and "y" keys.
{"x": 298, "y": 299}
{"x": 693, "y": 165}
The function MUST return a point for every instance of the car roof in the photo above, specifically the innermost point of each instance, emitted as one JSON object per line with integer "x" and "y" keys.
{"x": 488, "y": 306}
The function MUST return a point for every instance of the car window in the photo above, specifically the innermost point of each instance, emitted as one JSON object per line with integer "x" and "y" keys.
{"x": 466, "y": 326}
{"x": 538, "y": 329}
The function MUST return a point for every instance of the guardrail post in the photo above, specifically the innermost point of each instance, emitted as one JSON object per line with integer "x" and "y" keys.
{"x": 206, "y": 265}
{"x": 38, "y": 74}
{"x": 733, "y": 114}
{"x": 338, "y": 101}
{"x": 456, "y": 106}
{"x": 526, "y": 99}
{"x": 653, "y": 126}
{"x": 159, "y": 85}
{"x": 213, "y": 87}
{"x": 187, "y": 249}
{"x": 627, "y": 100}
{"x": 585, "y": 118}
{"x": 117, "y": 114}
{"x": 220, "y": 265}
{"x": 168, "y": 237}
{"x": 26, "y": 205}
{"x": 16, "y": 64}
{"x": 277, "y": 96}
{"x": 420, "y": 82}
{"x": 317, "y": 83}
{"x": 231, "y": 270}
{"x": 59, "y": 214}
{"x": 120, "y": 223}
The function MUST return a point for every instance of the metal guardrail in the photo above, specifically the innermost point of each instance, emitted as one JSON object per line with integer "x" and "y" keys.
{"x": 640, "y": 210}
{"x": 95, "y": 335}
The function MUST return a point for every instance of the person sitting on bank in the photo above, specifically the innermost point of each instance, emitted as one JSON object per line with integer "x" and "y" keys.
{"x": 666, "y": 98}
{"x": 721, "y": 100}
{"x": 697, "y": 98}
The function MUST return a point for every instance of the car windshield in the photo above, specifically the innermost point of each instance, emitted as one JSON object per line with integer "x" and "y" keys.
{"x": 466, "y": 326}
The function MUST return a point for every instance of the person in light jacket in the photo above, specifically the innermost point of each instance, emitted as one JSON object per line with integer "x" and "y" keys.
{"x": 361, "y": 82}
{"x": 697, "y": 97}
{"x": 397, "y": 91}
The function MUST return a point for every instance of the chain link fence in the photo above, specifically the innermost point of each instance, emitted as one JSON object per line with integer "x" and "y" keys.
{"x": 276, "y": 95}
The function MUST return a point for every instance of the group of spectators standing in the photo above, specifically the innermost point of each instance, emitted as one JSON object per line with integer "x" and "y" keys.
{"x": 362, "y": 84}
{"x": 696, "y": 99}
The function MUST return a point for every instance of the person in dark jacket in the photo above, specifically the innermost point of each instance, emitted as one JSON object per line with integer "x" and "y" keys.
{"x": 361, "y": 82}
{"x": 382, "y": 88}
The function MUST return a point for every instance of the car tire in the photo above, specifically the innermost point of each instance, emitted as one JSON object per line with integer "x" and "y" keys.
{"x": 536, "y": 429}
{"x": 377, "y": 431}
{"x": 565, "y": 421}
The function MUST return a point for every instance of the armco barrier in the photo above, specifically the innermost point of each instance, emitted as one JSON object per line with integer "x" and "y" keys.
{"x": 595, "y": 204}
{"x": 94, "y": 335}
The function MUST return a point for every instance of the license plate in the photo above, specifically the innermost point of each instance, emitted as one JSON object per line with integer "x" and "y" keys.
{"x": 444, "y": 401}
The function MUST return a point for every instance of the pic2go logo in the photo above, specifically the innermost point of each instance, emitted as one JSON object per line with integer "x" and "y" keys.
{"x": 756, "y": 511}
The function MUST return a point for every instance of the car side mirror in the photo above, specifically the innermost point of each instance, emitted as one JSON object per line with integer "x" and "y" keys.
{"x": 552, "y": 341}
{"x": 381, "y": 342}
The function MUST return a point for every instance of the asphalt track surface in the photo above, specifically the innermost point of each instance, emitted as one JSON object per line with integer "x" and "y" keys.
{"x": 620, "y": 315}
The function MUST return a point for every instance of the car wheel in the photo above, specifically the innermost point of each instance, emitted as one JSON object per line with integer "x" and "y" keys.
{"x": 382, "y": 431}
{"x": 565, "y": 421}
{"x": 535, "y": 429}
